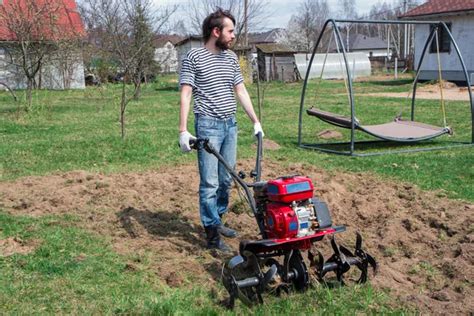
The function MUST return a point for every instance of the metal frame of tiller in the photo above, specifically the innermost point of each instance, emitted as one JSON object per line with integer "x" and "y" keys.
{"x": 257, "y": 268}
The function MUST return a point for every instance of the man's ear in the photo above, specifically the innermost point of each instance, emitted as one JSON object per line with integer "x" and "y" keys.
{"x": 216, "y": 32}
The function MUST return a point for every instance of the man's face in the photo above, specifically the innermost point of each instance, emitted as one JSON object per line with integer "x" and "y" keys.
{"x": 226, "y": 36}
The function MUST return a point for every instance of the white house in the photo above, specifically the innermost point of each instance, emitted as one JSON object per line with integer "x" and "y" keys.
{"x": 59, "y": 70}
{"x": 459, "y": 17}
{"x": 166, "y": 54}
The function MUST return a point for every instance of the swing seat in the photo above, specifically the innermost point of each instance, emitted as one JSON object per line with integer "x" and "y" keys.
{"x": 399, "y": 130}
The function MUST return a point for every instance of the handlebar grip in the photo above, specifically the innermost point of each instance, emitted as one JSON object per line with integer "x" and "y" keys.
{"x": 192, "y": 143}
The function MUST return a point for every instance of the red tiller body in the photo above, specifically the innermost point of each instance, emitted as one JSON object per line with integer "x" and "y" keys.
{"x": 289, "y": 189}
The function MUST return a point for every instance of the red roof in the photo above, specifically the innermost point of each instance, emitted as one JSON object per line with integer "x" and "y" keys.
{"x": 436, "y": 7}
{"x": 66, "y": 23}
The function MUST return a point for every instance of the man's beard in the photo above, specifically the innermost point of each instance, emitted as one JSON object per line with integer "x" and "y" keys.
{"x": 221, "y": 44}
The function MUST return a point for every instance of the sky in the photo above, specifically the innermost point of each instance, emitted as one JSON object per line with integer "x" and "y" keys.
{"x": 283, "y": 9}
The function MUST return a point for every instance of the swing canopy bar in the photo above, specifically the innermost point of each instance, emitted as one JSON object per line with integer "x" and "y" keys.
{"x": 398, "y": 130}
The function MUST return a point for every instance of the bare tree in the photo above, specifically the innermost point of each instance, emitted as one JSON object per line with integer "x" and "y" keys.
{"x": 179, "y": 28}
{"x": 124, "y": 34}
{"x": 140, "y": 18}
{"x": 257, "y": 13}
{"x": 390, "y": 11}
{"x": 347, "y": 10}
{"x": 34, "y": 32}
{"x": 304, "y": 26}
{"x": 67, "y": 61}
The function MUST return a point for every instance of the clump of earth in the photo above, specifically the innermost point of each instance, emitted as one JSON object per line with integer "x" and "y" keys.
{"x": 423, "y": 241}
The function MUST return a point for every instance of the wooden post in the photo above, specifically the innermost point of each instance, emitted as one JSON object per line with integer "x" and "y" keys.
{"x": 246, "y": 39}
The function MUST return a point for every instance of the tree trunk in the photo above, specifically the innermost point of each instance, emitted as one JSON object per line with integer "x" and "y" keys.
{"x": 29, "y": 94}
{"x": 137, "y": 90}
{"x": 123, "y": 104}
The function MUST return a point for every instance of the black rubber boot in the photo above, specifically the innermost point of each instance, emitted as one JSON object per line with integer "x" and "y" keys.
{"x": 214, "y": 240}
{"x": 226, "y": 231}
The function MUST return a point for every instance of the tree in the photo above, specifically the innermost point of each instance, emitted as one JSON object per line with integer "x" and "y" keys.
{"x": 123, "y": 34}
{"x": 347, "y": 10}
{"x": 304, "y": 27}
{"x": 139, "y": 15}
{"x": 34, "y": 30}
{"x": 390, "y": 11}
{"x": 257, "y": 13}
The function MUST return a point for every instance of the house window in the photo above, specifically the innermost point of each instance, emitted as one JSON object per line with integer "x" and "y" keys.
{"x": 443, "y": 40}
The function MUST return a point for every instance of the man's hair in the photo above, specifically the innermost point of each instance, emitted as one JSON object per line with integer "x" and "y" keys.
{"x": 215, "y": 19}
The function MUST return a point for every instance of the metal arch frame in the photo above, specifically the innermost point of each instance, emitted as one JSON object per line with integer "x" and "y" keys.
{"x": 354, "y": 124}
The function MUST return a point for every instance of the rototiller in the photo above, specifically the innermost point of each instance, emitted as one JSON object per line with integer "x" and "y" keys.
{"x": 290, "y": 220}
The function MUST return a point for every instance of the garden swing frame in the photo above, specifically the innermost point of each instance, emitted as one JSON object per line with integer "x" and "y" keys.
{"x": 353, "y": 124}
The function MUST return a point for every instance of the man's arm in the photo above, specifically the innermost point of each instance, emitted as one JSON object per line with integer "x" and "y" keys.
{"x": 184, "y": 135}
{"x": 186, "y": 93}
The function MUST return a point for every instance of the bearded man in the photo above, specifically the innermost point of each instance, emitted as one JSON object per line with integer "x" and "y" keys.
{"x": 211, "y": 76}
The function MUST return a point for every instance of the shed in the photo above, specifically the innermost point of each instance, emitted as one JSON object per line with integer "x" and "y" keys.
{"x": 276, "y": 62}
{"x": 459, "y": 17}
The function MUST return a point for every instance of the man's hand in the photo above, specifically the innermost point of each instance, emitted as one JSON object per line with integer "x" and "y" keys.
{"x": 184, "y": 138}
{"x": 257, "y": 128}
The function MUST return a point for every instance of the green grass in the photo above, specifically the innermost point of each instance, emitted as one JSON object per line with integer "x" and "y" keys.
{"x": 68, "y": 130}
{"x": 75, "y": 271}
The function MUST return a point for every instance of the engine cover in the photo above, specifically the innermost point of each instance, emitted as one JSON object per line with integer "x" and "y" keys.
{"x": 289, "y": 189}
{"x": 289, "y": 221}
{"x": 281, "y": 221}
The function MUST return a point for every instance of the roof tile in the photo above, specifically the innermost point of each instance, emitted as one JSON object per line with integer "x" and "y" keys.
{"x": 433, "y": 7}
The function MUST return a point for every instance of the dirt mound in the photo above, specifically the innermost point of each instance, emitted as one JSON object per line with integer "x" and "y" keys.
{"x": 429, "y": 92}
{"x": 13, "y": 245}
{"x": 329, "y": 134}
{"x": 422, "y": 241}
{"x": 268, "y": 144}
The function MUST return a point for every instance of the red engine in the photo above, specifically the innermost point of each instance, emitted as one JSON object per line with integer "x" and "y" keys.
{"x": 290, "y": 212}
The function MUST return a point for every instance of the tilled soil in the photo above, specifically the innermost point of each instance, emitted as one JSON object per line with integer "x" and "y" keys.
{"x": 423, "y": 242}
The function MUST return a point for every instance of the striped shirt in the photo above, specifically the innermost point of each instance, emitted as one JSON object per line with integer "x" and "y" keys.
{"x": 212, "y": 78}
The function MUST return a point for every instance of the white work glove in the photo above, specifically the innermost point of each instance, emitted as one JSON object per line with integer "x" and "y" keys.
{"x": 184, "y": 138}
{"x": 257, "y": 127}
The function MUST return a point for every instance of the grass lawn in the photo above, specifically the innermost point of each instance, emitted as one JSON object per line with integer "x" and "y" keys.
{"x": 74, "y": 271}
{"x": 69, "y": 130}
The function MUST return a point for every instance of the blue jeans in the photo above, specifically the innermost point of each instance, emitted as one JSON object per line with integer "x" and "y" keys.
{"x": 215, "y": 181}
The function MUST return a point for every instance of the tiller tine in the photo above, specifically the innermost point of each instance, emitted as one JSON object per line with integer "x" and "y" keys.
{"x": 317, "y": 264}
{"x": 243, "y": 279}
{"x": 342, "y": 259}
{"x": 364, "y": 255}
